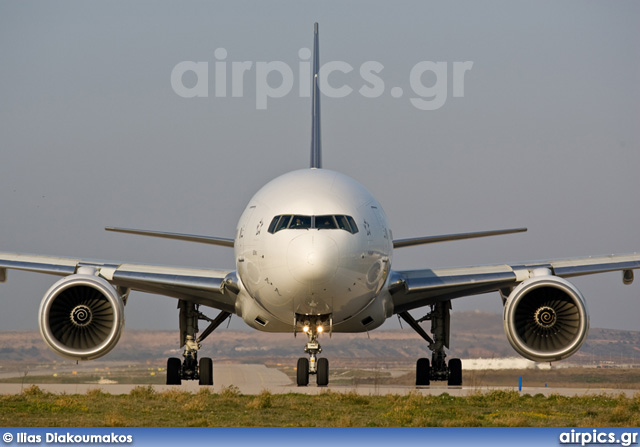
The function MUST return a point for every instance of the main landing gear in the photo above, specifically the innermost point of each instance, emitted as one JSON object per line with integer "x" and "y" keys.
{"x": 190, "y": 368}
{"x": 313, "y": 365}
{"x": 437, "y": 369}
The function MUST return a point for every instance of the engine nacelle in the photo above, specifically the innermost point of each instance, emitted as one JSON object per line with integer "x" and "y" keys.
{"x": 81, "y": 317}
{"x": 546, "y": 319}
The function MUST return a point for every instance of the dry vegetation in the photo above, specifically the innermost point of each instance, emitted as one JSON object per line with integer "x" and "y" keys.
{"x": 146, "y": 407}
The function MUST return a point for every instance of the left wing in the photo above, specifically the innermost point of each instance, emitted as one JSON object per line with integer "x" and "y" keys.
{"x": 411, "y": 289}
{"x": 200, "y": 286}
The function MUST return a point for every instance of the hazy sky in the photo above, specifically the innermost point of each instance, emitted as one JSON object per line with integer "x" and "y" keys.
{"x": 546, "y": 136}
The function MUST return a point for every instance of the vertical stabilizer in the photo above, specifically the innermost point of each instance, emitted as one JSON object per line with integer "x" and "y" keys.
{"x": 316, "y": 149}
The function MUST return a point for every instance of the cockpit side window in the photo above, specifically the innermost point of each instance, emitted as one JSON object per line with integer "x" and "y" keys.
{"x": 343, "y": 223}
{"x": 273, "y": 224}
{"x": 352, "y": 223}
{"x": 279, "y": 223}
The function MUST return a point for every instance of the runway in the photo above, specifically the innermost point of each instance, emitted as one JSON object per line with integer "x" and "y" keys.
{"x": 253, "y": 379}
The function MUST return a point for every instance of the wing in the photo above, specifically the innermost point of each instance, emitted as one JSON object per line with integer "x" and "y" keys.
{"x": 222, "y": 241}
{"x": 411, "y": 289}
{"x": 211, "y": 288}
{"x": 400, "y": 243}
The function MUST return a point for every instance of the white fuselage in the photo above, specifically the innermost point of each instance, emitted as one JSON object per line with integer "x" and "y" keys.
{"x": 313, "y": 244}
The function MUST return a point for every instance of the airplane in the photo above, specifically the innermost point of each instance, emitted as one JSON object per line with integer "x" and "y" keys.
{"x": 313, "y": 255}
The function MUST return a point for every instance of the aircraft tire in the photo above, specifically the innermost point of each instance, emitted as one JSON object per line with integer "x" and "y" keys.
{"x": 303, "y": 371}
{"x": 206, "y": 371}
{"x": 423, "y": 372}
{"x": 455, "y": 372}
{"x": 174, "y": 365}
{"x": 323, "y": 372}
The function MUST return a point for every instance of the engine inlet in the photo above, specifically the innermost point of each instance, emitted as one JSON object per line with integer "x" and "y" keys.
{"x": 546, "y": 319}
{"x": 81, "y": 317}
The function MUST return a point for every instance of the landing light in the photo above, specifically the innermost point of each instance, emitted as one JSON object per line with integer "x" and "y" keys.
{"x": 305, "y": 329}
{"x": 320, "y": 329}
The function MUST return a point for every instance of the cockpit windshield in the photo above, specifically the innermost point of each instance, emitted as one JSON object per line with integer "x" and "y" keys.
{"x": 326, "y": 222}
{"x": 300, "y": 222}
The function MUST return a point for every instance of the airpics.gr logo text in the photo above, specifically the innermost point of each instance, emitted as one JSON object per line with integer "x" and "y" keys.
{"x": 596, "y": 437}
{"x": 428, "y": 81}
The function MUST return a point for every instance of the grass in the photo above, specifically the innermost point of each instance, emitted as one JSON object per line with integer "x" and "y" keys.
{"x": 143, "y": 406}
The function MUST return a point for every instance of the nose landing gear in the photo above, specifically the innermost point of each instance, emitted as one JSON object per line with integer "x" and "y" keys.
{"x": 313, "y": 365}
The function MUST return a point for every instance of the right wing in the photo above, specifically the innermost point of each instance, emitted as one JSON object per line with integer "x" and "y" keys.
{"x": 212, "y": 288}
{"x": 545, "y": 316}
{"x": 225, "y": 242}
{"x": 411, "y": 289}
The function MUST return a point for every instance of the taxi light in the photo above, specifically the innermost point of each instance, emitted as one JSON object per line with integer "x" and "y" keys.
{"x": 305, "y": 329}
{"x": 320, "y": 329}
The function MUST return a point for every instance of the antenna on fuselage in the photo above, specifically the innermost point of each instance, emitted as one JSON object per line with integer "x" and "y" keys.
{"x": 316, "y": 151}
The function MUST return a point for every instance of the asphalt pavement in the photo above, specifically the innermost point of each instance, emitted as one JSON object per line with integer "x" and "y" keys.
{"x": 253, "y": 379}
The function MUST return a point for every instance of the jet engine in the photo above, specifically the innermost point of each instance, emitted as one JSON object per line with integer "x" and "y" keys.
{"x": 546, "y": 319}
{"x": 81, "y": 317}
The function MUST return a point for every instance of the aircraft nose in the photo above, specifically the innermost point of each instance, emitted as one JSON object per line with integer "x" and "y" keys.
{"x": 312, "y": 257}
